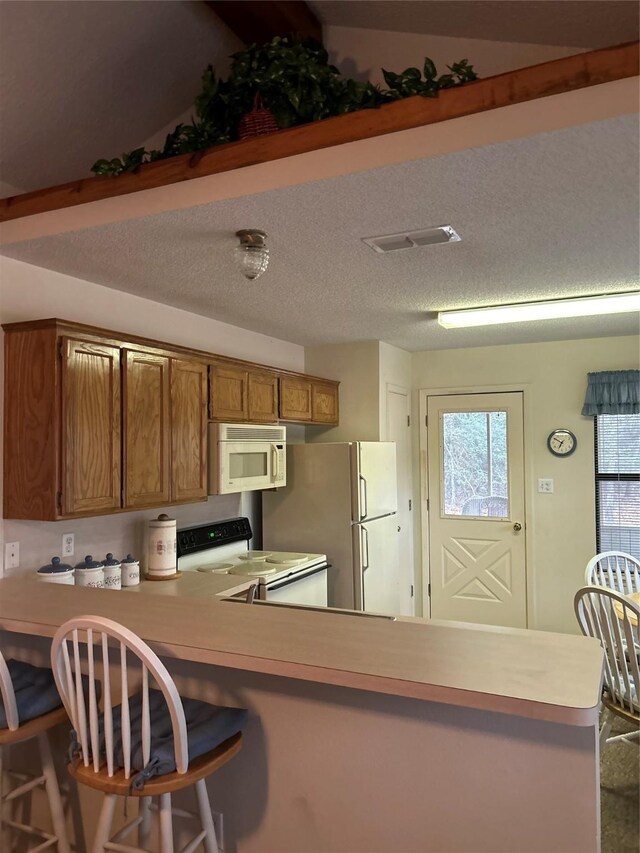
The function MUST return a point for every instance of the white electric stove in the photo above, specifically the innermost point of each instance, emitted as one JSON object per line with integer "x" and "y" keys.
{"x": 222, "y": 547}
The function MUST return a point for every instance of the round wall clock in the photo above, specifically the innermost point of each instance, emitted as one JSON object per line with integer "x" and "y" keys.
{"x": 562, "y": 442}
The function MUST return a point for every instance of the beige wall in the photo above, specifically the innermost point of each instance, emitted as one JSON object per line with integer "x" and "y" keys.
{"x": 362, "y": 53}
{"x": 355, "y": 365}
{"x": 553, "y": 375}
{"x": 30, "y": 293}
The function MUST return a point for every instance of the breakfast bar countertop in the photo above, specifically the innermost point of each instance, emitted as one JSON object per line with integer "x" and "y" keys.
{"x": 534, "y": 674}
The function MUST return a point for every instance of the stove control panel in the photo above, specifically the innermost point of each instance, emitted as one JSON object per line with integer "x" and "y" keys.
{"x": 206, "y": 536}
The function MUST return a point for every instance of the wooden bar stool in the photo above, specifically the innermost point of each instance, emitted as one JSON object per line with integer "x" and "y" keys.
{"x": 18, "y": 730}
{"x": 151, "y": 743}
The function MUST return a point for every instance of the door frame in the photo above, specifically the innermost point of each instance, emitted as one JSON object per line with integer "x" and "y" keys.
{"x": 527, "y": 412}
{"x": 404, "y": 391}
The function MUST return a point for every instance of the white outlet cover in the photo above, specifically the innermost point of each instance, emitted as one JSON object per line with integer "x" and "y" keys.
{"x": 68, "y": 544}
{"x": 545, "y": 486}
{"x": 12, "y": 555}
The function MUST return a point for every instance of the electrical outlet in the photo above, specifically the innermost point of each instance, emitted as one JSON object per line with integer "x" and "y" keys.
{"x": 12, "y": 555}
{"x": 218, "y": 825}
{"x": 545, "y": 486}
{"x": 68, "y": 544}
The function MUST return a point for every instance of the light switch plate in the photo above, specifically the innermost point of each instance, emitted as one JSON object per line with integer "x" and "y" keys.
{"x": 11, "y": 555}
{"x": 545, "y": 486}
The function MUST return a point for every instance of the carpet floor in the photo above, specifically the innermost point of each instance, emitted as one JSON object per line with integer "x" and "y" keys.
{"x": 620, "y": 794}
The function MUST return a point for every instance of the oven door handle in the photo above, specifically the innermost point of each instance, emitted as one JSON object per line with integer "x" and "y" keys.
{"x": 294, "y": 577}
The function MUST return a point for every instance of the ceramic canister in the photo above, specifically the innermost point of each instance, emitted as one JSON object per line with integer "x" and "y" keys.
{"x": 162, "y": 547}
{"x": 56, "y": 572}
{"x": 90, "y": 573}
{"x": 112, "y": 572}
{"x": 130, "y": 571}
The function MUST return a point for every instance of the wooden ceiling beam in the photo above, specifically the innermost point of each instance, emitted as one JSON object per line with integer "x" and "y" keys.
{"x": 513, "y": 87}
{"x": 258, "y": 21}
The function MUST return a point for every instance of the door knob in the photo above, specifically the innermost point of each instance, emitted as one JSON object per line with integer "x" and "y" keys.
{"x": 517, "y": 526}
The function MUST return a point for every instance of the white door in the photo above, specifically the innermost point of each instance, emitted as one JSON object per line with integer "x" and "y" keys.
{"x": 399, "y": 430}
{"x": 376, "y": 561}
{"x": 375, "y": 490}
{"x": 475, "y": 457}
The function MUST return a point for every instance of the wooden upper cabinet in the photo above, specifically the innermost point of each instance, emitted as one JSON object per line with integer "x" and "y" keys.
{"x": 188, "y": 430}
{"x": 295, "y": 399}
{"x": 238, "y": 394}
{"x": 263, "y": 397}
{"x": 229, "y": 393}
{"x": 90, "y": 427}
{"x": 146, "y": 429}
{"x": 324, "y": 402}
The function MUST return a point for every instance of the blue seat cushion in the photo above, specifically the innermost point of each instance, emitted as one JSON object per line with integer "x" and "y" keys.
{"x": 207, "y": 727}
{"x": 35, "y": 689}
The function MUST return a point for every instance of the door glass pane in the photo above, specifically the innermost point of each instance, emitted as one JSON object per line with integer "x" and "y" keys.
{"x": 474, "y": 467}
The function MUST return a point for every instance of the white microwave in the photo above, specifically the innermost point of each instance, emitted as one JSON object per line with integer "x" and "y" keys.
{"x": 245, "y": 457}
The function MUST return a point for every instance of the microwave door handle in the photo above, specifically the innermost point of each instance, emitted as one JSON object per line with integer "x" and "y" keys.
{"x": 275, "y": 463}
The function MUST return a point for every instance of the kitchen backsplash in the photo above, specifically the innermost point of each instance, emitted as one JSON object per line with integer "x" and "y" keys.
{"x": 121, "y": 534}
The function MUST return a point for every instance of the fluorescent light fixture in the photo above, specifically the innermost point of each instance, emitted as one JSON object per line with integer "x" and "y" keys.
{"x": 585, "y": 306}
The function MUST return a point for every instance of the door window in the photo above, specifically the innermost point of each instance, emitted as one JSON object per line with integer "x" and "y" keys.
{"x": 474, "y": 464}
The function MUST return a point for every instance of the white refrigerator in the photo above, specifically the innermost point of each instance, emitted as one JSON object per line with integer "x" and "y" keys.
{"x": 341, "y": 500}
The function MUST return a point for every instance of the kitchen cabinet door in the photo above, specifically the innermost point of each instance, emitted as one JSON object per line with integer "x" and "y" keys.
{"x": 324, "y": 403}
{"x": 188, "y": 431}
{"x": 263, "y": 397}
{"x": 295, "y": 399}
{"x": 229, "y": 393}
{"x": 146, "y": 429}
{"x": 91, "y": 461}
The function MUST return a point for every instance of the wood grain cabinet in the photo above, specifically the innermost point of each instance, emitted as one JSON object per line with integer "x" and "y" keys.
{"x": 95, "y": 426}
{"x": 324, "y": 402}
{"x": 189, "y": 397}
{"x": 238, "y": 394}
{"x": 295, "y": 399}
{"x": 96, "y": 422}
{"x": 91, "y": 417}
{"x": 309, "y": 400}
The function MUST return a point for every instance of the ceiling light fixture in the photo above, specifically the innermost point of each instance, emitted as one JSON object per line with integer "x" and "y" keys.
{"x": 586, "y": 306}
{"x": 252, "y": 256}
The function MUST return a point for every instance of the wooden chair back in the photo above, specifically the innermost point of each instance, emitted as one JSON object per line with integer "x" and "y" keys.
{"x": 8, "y": 696}
{"x": 614, "y": 570}
{"x": 90, "y": 639}
{"x": 614, "y": 620}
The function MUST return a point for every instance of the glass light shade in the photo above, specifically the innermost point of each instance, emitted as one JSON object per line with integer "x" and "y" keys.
{"x": 252, "y": 261}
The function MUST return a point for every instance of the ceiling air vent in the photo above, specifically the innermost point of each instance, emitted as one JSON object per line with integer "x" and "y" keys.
{"x": 412, "y": 239}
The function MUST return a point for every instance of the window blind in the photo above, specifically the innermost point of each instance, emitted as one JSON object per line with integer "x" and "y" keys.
{"x": 617, "y": 466}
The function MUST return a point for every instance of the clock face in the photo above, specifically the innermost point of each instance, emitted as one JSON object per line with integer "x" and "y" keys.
{"x": 562, "y": 442}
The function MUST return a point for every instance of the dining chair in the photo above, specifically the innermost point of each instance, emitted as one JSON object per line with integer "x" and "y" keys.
{"x": 30, "y": 707}
{"x": 615, "y": 570}
{"x": 614, "y": 620}
{"x": 146, "y": 741}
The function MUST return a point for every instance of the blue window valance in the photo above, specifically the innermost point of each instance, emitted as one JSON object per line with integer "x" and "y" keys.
{"x": 613, "y": 392}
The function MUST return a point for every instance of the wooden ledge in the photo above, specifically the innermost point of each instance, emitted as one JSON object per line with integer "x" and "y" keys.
{"x": 513, "y": 87}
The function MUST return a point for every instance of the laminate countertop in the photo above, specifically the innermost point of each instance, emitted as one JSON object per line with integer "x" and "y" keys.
{"x": 535, "y": 674}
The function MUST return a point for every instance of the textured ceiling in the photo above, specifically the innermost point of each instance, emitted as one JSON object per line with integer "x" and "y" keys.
{"x": 571, "y": 23}
{"x": 83, "y": 80}
{"x": 543, "y": 217}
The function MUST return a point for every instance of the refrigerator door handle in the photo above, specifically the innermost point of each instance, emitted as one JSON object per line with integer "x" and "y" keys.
{"x": 363, "y": 497}
{"x": 365, "y": 564}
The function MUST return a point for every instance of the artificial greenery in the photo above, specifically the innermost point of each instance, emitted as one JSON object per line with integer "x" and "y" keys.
{"x": 297, "y": 83}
